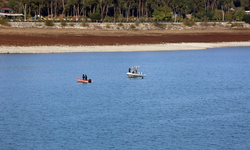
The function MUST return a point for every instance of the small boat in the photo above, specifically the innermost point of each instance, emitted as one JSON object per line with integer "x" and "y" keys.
{"x": 132, "y": 73}
{"x": 79, "y": 80}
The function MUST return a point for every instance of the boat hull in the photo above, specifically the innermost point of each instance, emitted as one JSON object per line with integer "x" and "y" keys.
{"x": 83, "y": 81}
{"x": 135, "y": 75}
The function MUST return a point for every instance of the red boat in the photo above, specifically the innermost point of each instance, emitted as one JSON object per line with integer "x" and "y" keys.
{"x": 84, "y": 81}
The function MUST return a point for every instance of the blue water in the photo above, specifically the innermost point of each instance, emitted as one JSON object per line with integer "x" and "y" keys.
{"x": 188, "y": 100}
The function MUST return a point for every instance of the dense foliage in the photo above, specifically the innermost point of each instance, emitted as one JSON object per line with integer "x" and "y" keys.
{"x": 95, "y": 16}
{"x": 247, "y": 18}
{"x": 132, "y": 10}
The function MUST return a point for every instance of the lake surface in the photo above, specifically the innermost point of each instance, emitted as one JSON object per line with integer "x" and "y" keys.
{"x": 188, "y": 100}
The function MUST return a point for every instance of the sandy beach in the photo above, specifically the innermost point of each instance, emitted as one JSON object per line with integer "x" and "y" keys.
{"x": 68, "y": 41}
{"x": 119, "y": 48}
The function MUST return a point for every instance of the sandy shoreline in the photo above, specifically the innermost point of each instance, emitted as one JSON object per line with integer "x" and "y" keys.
{"x": 118, "y": 48}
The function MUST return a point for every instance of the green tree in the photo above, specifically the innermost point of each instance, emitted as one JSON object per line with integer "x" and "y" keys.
{"x": 207, "y": 16}
{"x": 217, "y": 15}
{"x": 13, "y": 4}
{"x": 247, "y": 18}
{"x": 136, "y": 8}
{"x": 95, "y": 16}
{"x": 180, "y": 6}
{"x": 104, "y": 6}
{"x": 196, "y": 6}
{"x": 239, "y": 13}
{"x": 244, "y": 3}
{"x": 162, "y": 13}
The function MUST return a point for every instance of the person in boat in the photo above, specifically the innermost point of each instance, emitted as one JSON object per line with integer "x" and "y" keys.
{"x": 86, "y": 78}
{"x": 129, "y": 70}
{"x": 83, "y": 76}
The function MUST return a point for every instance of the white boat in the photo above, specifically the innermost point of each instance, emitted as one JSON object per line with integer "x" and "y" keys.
{"x": 132, "y": 72}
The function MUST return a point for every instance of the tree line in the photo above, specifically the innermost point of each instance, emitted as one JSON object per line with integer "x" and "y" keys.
{"x": 156, "y": 9}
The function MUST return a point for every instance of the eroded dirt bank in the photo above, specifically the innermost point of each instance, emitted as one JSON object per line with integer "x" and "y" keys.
{"x": 74, "y": 37}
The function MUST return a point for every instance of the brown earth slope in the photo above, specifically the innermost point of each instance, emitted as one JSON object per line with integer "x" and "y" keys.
{"x": 74, "y": 37}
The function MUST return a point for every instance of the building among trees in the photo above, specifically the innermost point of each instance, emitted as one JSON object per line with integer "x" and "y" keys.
{"x": 8, "y": 12}
{"x": 131, "y": 10}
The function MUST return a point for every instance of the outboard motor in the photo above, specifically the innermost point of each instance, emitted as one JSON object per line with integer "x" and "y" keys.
{"x": 89, "y": 80}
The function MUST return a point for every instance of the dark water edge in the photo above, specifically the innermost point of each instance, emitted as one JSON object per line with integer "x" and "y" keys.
{"x": 189, "y": 100}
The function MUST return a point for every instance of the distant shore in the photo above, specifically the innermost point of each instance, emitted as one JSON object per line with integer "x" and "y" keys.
{"x": 118, "y": 48}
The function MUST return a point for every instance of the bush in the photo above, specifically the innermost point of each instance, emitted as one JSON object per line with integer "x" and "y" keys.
{"x": 189, "y": 22}
{"x": 121, "y": 18}
{"x": 95, "y": 16}
{"x": 142, "y": 20}
{"x": 132, "y": 26}
{"x": 84, "y": 24}
{"x": 214, "y": 24}
{"x": 236, "y": 25}
{"x": 49, "y": 22}
{"x": 207, "y": 16}
{"x": 246, "y": 18}
{"x": 107, "y": 26}
{"x": 137, "y": 22}
{"x": 108, "y": 19}
{"x": 4, "y": 22}
{"x": 63, "y": 23}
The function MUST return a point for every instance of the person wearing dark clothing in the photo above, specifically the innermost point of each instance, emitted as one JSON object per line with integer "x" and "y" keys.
{"x": 129, "y": 69}
{"x": 83, "y": 76}
{"x": 86, "y": 78}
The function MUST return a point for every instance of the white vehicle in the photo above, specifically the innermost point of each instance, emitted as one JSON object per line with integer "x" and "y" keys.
{"x": 132, "y": 72}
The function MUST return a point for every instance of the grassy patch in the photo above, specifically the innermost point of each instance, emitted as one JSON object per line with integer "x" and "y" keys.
{"x": 107, "y": 26}
{"x": 132, "y": 27}
{"x": 4, "y": 22}
{"x": 63, "y": 23}
{"x": 49, "y": 23}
